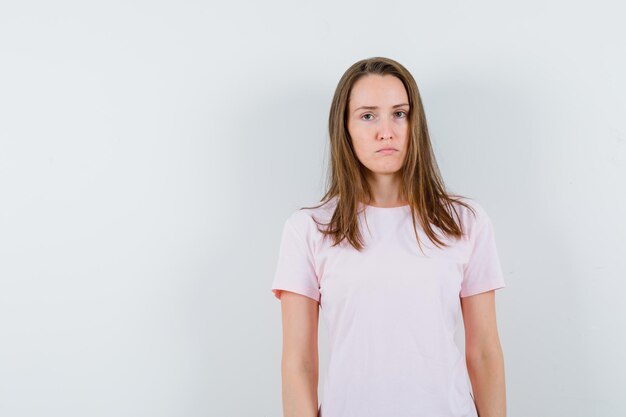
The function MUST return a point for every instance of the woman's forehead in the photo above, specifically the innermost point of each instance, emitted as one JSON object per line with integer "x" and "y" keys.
{"x": 378, "y": 91}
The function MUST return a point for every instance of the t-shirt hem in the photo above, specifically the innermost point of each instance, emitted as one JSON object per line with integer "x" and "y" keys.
{"x": 480, "y": 291}
{"x": 277, "y": 292}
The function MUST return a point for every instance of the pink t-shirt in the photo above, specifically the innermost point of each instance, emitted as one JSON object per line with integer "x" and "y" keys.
{"x": 390, "y": 310}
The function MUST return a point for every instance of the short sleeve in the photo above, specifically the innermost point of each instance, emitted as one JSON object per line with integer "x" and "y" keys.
{"x": 295, "y": 269}
{"x": 483, "y": 271}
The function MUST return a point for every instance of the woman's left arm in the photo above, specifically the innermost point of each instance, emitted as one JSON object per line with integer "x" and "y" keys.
{"x": 483, "y": 354}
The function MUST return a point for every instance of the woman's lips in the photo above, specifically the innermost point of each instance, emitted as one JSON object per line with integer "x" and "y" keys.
{"x": 386, "y": 151}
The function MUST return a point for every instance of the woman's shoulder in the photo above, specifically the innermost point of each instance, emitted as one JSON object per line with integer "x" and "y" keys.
{"x": 305, "y": 219}
{"x": 472, "y": 213}
{"x": 474, "y": 206}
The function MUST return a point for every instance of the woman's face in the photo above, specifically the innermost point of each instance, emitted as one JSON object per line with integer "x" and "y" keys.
{"x": 378, "y": 119}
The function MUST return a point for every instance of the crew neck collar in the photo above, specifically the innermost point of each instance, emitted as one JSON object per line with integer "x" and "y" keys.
{"x": 397, "y": 208}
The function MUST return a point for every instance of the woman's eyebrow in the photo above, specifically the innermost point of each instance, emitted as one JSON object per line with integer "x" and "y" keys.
{"x": 375, "y": 107}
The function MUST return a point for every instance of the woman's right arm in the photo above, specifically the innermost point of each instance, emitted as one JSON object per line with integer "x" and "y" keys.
{"x": 299, "y": 364}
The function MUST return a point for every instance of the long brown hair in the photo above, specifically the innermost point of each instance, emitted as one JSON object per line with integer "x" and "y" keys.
{"x": 422, "y": 185}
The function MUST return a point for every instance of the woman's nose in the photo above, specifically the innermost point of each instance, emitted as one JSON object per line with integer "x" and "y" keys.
{"x": 385, "y": 129}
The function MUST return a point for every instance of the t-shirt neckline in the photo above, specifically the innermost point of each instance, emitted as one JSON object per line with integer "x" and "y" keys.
{"x": 397, "y": 208}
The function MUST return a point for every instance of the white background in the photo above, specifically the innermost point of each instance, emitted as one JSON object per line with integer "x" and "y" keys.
{"x": 150, "y": 152}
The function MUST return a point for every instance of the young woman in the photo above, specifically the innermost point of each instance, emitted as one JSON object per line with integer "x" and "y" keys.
{"x": 393, "y": 261}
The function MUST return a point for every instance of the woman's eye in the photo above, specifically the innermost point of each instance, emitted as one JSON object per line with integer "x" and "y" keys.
{"x": 369, "y": 114}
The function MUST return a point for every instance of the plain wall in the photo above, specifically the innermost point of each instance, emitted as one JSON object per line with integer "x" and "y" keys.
{"x": 151, "y": 151}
